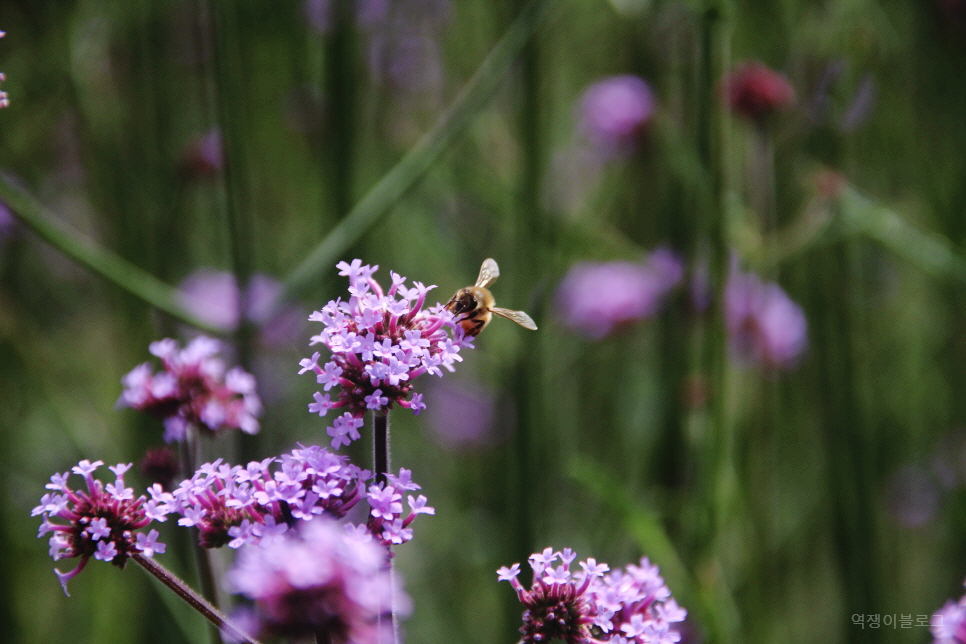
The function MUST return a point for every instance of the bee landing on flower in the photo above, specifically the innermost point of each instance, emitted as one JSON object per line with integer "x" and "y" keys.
{"x": 380, "y": 342}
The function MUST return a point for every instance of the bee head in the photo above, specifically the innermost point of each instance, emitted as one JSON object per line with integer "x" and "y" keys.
{"x": 463, "y": 302}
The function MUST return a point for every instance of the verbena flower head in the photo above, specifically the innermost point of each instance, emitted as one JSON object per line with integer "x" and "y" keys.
{"x": 614, "y": 113}
{"x": 595, "y": 298}
{"x": 755, "y": 91}
{"x": 322, "y": 582}
{"x": 379, "y": 342}
{"x": 948, "y": 624}
{"x": 105, "y": 522}
{"x": 593, "y": 605}
{"x": 238, "y": 506}
{"x": 764, "y": 325}
{"x": 193, "y": 390}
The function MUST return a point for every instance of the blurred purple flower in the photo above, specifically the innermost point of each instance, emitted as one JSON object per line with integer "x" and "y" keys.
{"x": 213, "y": 297}
{"x": 192, "y": 390}
{"x": 614, "y": 113}
{"x": 322, "y": 584}
{"x": 860, "y": 108}
{"x": 764, "y": 325}
{"x": 406, "y": 62}
{"x": 912, "y": 497}
{"x": 948, "y": 624}
{"x": 756, "y": 91}
{"x": 318, "y": 13}
{"x": 594, "y": 298}
{"x": 204, "y": 155}
{"x": 461, "y": 415}
{"x": 4, "y": 99}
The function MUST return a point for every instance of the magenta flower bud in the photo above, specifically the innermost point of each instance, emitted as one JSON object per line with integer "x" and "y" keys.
{"x": 755, "y": 91}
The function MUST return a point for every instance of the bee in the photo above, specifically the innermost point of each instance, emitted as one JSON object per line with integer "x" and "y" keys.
{"x": 474, "y": 308}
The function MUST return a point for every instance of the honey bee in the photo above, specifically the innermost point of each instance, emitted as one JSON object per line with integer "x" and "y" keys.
{"x": 474, "y": 308}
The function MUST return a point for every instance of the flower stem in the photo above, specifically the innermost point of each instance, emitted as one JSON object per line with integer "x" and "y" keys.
{"x": 380, "y": 445}
{"x": 193, "y": 599}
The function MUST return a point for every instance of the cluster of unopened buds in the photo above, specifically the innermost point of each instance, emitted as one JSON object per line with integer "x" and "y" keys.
{"x": 380, "y": 342}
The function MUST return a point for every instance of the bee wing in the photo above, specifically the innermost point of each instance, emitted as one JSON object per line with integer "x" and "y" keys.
{"x": 489, "y": 271}
{"x": 519, "y": 317}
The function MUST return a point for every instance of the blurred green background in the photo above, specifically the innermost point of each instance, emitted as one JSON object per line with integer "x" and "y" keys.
{"x": 236, "y": 136}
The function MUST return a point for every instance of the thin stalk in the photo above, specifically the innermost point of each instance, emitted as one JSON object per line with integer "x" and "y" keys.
{"x": 193, "y": 599}
{"x": 380, "y": 460}
{"x": 395, "y": 183}
{"x": 380, "y": 445}
{"x": 188, "y": 450}
{"x": 97, "y": 259}
{"x": 229, "y": 103}
{"x": 340, "y": 90}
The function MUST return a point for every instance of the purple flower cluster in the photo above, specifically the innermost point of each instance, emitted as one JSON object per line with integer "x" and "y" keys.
{"x": 193, "y": 390}
{"x": 103, "y": 522}
{"x": 948, "y": 624}
{"x": 321, "y": 583}
{"x": 237, "y": 506}
{"x": 593, "y": 605}
{"x": 380, "y": 342}
{"x": 764, "y": 325}
{"x": 595, "y": 298}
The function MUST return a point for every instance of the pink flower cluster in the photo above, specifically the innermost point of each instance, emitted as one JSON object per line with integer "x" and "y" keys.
{"x": 238, "y": 506}
{"x": 103, "y": 523}
{"x": 321, "y": 583}
{"x": 193, "y": 390}
{"x": 380, "y": 343}
{"x": 629, "y": 606}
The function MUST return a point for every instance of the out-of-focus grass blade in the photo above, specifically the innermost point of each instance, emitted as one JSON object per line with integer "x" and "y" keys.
{"x": 928, "y": 250}
{"x": 395, "y": 183}
{"x": 100, "y": 260}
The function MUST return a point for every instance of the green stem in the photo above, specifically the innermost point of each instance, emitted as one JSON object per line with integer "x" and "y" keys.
{"x": 229, "y": 102}
{"x": 193, "y": 599}
{"x": 101, "y": 261}
{"x": 388, "y": 190}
